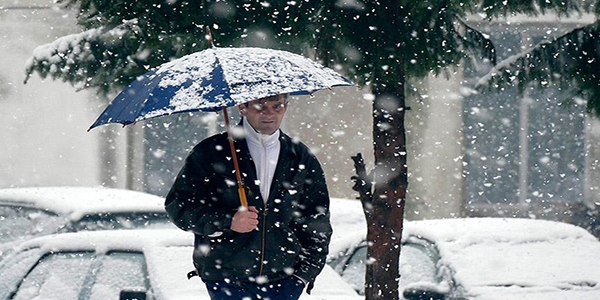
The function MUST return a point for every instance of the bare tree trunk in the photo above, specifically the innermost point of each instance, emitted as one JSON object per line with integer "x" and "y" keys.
{"x": 384, "y": 208}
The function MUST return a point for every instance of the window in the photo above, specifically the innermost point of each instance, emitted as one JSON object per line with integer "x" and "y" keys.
{"x": 354, "y": 269}
{"x": 417, "y": 265}
{"x": 14, "y": 268}
{"x": 129, "y": 220}
{"x": 523, "y": 154}
{"x": 115, "y": 272}
{"x": 56, "y": 276}
{"x": 84, "y": 276}
{"x": 18, "y": 222}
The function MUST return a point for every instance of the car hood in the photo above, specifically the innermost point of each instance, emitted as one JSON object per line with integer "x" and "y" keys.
{"x": 534, "y": 293}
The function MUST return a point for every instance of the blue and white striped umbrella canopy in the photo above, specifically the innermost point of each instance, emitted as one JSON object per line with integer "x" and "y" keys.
{"x": 215, "y": 78}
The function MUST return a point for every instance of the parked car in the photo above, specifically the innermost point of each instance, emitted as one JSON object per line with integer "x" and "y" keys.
{"x": 29, "y": 212}
{"x": 120, "y": 264}
{"x": 483, "y": 258}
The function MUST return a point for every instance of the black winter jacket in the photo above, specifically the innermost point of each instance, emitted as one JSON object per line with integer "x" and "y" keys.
{"x": 294, "y": 228}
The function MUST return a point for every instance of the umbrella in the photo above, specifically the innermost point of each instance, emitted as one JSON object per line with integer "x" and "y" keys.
{"x": 217, "y": 78}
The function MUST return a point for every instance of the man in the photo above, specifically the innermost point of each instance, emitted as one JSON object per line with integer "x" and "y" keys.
{"x": 276, "y": 246}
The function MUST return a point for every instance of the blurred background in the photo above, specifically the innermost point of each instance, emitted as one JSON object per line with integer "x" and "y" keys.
{"x": 496, "y": 154}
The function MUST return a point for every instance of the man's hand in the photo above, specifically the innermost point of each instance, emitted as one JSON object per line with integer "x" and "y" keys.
{"x": 245, "y": 220}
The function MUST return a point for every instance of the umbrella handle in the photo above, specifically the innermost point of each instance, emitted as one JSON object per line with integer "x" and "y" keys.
{"x": 241, "y": 190}
{"x": 242, "y": 194}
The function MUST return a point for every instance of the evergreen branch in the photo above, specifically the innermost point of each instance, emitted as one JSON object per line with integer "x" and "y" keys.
{"x": 571, "y": 61}
{"x": 478, "y": 41}
{"x": 108, "y": 57}
{"x": 73, "y": 58}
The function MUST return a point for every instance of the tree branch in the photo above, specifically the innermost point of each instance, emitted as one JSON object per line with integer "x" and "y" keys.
{"x": 363, "y": 183}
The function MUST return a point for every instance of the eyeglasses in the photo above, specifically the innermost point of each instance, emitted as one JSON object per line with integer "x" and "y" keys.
{"x": 264, "y": 105}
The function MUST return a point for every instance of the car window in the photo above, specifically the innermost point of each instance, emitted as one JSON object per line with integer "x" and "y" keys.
{"x": 354, "y": 269}
{"x": 115, "y": 272}
{"x": 84, "y": 276}
{"x": 56, "y": 276}
{"x": 18, "y": 222}
{"x": 417, "y": 264}
{"x": 14, "y": 268}
{"x": 129, "y": 220}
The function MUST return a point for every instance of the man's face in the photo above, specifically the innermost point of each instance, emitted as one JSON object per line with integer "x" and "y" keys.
{"x": 265, "y": 115}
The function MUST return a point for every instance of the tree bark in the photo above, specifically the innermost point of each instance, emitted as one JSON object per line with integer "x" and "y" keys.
{"x": 385, "y": 211}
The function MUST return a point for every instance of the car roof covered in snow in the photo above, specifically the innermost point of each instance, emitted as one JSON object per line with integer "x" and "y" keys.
{"x": 78, "y": 201}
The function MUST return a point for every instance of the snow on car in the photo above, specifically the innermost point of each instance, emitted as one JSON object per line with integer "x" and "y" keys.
{"x": 116, "y": 264}
{"x": 477, "y": 258}
{"x": 34, "y": 211}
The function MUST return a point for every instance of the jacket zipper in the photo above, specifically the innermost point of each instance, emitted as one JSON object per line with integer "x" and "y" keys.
{"x": 262, "y": 178}
{"x": 262, "y": 246}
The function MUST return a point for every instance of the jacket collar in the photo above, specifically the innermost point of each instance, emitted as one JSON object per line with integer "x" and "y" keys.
{"x": 287, "y": 157}
{"x": 254, "y": 137}
{"x": 287, "y": 147}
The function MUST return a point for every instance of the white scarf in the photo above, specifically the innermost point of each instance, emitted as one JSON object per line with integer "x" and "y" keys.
{"x": 264, "y": 150}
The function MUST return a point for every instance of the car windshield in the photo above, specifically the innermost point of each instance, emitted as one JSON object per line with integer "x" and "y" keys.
{"x": 353, "y": 269}
{"x": 82, "y": 275}
{"x": 21, "y": 222}
{"x": 128, "y": 220}
{"x": 18, "y": 222}
{"x": 417, "y": 265}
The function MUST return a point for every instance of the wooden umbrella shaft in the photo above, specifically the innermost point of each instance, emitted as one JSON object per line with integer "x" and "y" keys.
{"x": 238, "y": 177}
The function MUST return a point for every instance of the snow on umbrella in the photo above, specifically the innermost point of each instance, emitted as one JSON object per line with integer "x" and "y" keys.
{"x": 217, "y": 78}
